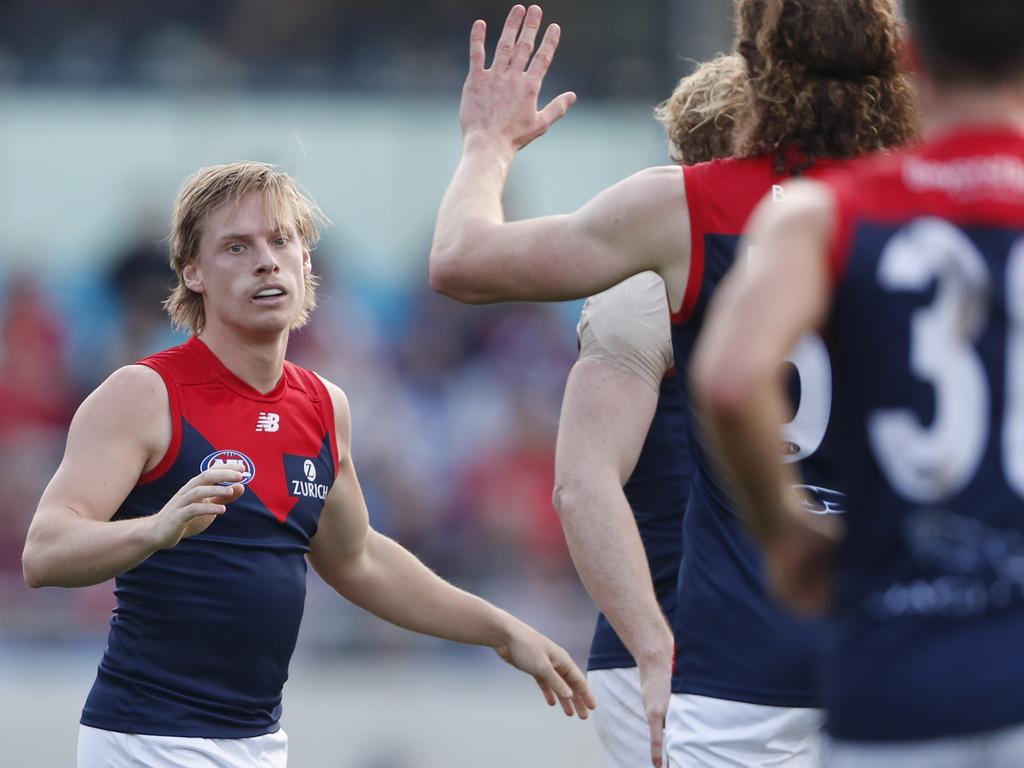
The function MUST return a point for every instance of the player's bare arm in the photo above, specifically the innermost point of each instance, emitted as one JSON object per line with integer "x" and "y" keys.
{"x": 120, "y": 431}
{"x": 606, "y": 413}
{"x": 756, "y": 319}
{"x": 378, "y": 574}
{"x": 478, "y": 257}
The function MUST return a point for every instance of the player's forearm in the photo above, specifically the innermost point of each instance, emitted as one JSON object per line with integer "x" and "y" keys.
{"x": 65, "y": 549}
{"x": 744, "y": 437}
{"x": 610, "y": 559}
{"x": 388, "y": 581}
{"x": 461, "y": 262}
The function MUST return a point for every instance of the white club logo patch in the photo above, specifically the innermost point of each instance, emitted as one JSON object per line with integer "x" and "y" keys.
{"x": 219, "y": 458}
{"x": 309, "y": 468}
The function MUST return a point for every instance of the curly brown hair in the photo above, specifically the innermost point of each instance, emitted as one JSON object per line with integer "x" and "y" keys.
{"x": 824, "y": 80}
{"x": 703, "y": 112}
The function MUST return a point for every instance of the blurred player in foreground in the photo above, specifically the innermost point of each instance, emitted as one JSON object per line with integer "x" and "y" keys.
{"x": 913, "y": 264}
{"x": 203, "y": 476}
{"x": 823, "y": 86}
{"x": 624, "y": 421}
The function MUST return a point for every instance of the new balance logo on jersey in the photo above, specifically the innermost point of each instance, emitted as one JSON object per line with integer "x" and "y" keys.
{"x": 268, "y": 422}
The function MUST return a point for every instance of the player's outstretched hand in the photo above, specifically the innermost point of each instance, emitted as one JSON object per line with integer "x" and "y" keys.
{"x": 656, "y": 689}
{"x": 800, "y": 558}
{"x": 197, "y": 504}
{"x": 499, "y": 103}
{"x": 550, "y": 665}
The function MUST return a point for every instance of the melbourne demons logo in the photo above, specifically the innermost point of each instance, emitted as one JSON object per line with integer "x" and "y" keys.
{"x": 218, "y": 458}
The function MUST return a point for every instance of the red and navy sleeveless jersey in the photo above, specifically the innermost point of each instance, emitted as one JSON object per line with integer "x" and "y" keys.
{"x": 657, "y": 492}
{"x": 732, "y": 641}
{"x": 202, "y": 633}
{"x": 927, "y": 336}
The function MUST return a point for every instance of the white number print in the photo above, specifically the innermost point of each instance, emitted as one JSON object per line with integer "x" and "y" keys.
{"x": 1013, "y": 433}
{"x": 926, "y": 464}
{"x": 804, "y": 432}
{"x": 802, "y": 435}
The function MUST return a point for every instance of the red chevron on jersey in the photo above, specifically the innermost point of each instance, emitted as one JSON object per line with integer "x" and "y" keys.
{"x": 278, "y": 435}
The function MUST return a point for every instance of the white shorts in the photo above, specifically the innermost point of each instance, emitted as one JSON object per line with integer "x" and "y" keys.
{"x": 109, "y": 749}
{"x": 701, "y": 732}
{"x": 997, "y": 749}
{"x": 620, "y": 718}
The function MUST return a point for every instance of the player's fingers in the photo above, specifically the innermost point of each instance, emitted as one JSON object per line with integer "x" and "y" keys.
{"x": 552, "y": 680}
{"x": 657, "y": 726}
{"x": 527, "y": 37}
{"x": 477, "y": 36}
{"x": 549, "y": 695}
{"x": 202, "y": 508}
{"x": 545, "y": 53}
{"x": 556, "y": 109}
{"x": 507, "y": 41}
{"x": 580, "y": 705}
{"x": 223, "y": 473}
{"x": 575, "y": 679}
{"x": 215, "y": 492}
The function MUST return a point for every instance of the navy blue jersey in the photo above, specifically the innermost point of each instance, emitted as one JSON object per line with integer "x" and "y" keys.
{"x": 732, "y": 641}
{"x": 926, "y": 332}
{"x": 203, "y": 632}
{"x": 657, "y": 492}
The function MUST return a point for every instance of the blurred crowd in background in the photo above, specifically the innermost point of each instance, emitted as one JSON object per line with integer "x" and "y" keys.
{"x": 612, "y": 49}
{"x": 455, "y": 408}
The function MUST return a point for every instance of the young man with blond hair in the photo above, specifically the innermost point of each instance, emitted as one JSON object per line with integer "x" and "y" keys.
{"x": 202, "y": 478}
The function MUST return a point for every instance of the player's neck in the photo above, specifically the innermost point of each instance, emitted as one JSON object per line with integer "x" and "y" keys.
{"x": 949, "y": 109}
{"x": 259, "y": 362}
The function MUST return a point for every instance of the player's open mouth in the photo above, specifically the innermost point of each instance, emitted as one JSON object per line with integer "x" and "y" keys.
{"x": 270, "y": 295}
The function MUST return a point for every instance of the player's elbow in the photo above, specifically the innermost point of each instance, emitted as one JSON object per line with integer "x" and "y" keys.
{"x": 32, "y": 567}
{"x": 568, "y": 497}
{"x": 452, "y": 276}
{"x": 459, "y": 266}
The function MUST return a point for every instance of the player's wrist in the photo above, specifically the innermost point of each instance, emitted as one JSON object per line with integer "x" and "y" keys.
{"x": 655, "y": 650}
{"x": 477, "y": 142}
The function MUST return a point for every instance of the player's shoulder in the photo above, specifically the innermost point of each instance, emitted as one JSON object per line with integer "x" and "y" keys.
{"x": 131, "y": 399}
{"x": 629, "y": 323}
{"x": 650, "y": 189}
{"x": 135, "y": 384}
{"x": 337, "y": 398}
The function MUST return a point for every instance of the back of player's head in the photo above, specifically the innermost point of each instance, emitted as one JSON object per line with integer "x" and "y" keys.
{"x": 975, "y": 42}
{"x": 703, "y": 112}
{"x": 824, "y": 79}
{"x": 207, "y": 190}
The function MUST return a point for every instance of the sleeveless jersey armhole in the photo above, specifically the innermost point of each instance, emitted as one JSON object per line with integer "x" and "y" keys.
{"x": 174, "y": 446}
{"x": 327, "y": 413}
{"x": 697, "y": 227}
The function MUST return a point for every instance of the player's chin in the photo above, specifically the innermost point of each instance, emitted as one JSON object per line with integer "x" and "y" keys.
{"x": 270, "y": 319}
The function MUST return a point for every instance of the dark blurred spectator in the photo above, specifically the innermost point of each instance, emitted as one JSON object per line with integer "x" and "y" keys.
{"x": 140, "y": 280}
{"x": 34, "y": 389}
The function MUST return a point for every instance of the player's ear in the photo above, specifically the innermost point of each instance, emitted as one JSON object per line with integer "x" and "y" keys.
{"x": 192, "y": 277}
{"x": 307, "y": 263}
